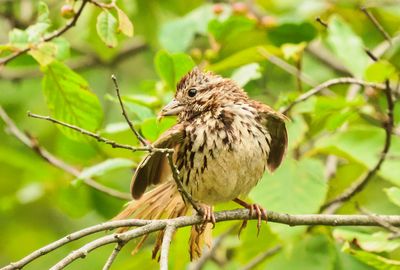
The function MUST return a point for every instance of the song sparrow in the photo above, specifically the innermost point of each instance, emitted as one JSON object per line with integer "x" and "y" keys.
{"x": 223, "y": 143}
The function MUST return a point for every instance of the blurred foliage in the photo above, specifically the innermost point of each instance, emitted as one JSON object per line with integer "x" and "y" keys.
{"x": 149, "y": 45}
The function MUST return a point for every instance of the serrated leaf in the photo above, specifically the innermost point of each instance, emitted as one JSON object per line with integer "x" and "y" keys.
{"x": 105, "y": 167}
{"x": 106, "y": 27}
{"x": 347, "y": 46}
{"x": 172, "y": 67}
{"x": 44, "y": 53}
{"x": 393, "y": 194}
{"x": 18, "y": 38}
{"x": 70, "y": 100}
{"x": 124, "y": 24}
{"x": 379, "y": 71}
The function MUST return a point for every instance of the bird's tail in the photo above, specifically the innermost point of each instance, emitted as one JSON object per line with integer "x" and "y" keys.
{"x": 164, "y": 202}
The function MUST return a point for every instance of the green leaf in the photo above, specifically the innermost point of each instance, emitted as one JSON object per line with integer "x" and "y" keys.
{"x": 172, "y": 67}
{"x": 347, "y": 46}
{"x": 62, "y": 48}
{"x": 288, "y": 189}
{"x": 177, "y": 35}
{"x": 105, "y": 167}
{"x": 375, "y": 242}
{"x": 151, "y": 128}
{"x": 376, "y": 261}
{"x": 292, "y": 33}
{"x": 36, "y": 31}
{"x": 43, "y": 12}
{"x": 393, "y": 194}
{"x": 363, "y": 144}
{"x": 243, "y": 57}
{"x": 44, "y": 53}
{"x": 124, "y": 24}
{"x": 18, "y": 38}
{"x": 379, "y": 71}
{"x": 69, "y": 98}
{"x": 314, "y": 252}
{"x": 146, "y": 100}
{"x": 246, "y": 73}
{"x": 107, "y": 28}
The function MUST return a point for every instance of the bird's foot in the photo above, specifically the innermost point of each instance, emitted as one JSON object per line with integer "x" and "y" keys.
{"x": 254, "y": 208}
{"x": 208, "y": 215}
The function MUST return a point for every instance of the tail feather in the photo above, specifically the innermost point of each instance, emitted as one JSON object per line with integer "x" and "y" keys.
{"x": 165, "y": 201}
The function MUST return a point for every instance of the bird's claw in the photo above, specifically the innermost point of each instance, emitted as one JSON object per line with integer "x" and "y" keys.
{"x": 208, "y": 215}
{"x": 253, "y": 208}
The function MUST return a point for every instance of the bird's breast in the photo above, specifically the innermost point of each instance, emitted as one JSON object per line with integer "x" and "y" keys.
{"x": 223, "y": 156}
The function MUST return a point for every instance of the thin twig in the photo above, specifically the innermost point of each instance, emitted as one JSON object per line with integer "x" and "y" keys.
{"x": 113, "y": 255}
{"x": 181, "y": 189}
{"x": 99, "y": 138}
{"x": 380, "y": 28}
{"x": 149, "y": 226}
{"x": 319, "y": 88}
{"x": 393, "y": 229}
{"x": 32, "y": 143}
{"x": 320, "y": 21}
{"x": 166, "y": 242}
{"x": 261, "y": 257}
{"x": 140, "y": 138}
{"x": 287, "y": 67}
{"x": 359, "y": 186}
{"x": 53, "y": 35}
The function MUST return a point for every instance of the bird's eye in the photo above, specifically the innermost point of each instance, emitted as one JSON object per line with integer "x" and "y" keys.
{"x": 192, "y": 92}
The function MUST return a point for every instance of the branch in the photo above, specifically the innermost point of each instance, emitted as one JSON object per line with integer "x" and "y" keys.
{"x": 319, "y": 88}
{"x": 178, "y": 182}
{"x": 359, "y": 186}
{"x": 113, "y": 255}
{"x": 149, "y": 226}
{"x": 30, "y": 142}
{"x": 166, "y": 242}
{"x": 140, "y": 138}
{"x": 378, "y": 26}
{"x": 99, "y": 138}
{"x": 55, "y": 34}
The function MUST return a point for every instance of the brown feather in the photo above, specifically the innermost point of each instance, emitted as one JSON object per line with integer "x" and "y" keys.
{"x": 154, "y": 168}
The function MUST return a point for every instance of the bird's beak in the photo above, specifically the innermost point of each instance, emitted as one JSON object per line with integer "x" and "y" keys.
{"x": 172, "y": 108}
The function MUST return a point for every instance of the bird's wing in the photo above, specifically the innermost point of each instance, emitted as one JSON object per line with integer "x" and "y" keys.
{"x": 275, "y": 124}
{"x": 154, "y": 169}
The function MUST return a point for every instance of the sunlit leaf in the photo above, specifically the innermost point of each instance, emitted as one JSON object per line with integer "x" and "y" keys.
{"x": 44, "y": 53}
{"x": 69, "y": 98}
{"x": 374, "y": 260}
{"x": 107, "y": 28}
{"x": 393, "y": 194}
{"x": 62, "y": 48}
{"x": 246, "y": 73}
{"x": 172, "y": 67}
{"x": 124, "y": 24}
{"x": 18, "y": 38}
{"x": 344, "y": 43}
{"x": 43, "y": 12}
{"x": 379, "y": 71}
{"x": 151, "y": 128}
{"x": 37, "y": 31}
{"x": 376, "y": 242}
{"x": 105, "y": 167}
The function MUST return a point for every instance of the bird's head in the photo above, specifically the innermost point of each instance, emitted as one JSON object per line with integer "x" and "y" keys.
{"x": 200, "y": 92}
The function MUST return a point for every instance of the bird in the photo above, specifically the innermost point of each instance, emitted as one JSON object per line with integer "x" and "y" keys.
{"x": 223, "y": 142}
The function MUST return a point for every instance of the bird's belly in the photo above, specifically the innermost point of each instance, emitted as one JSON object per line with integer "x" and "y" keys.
{"x": 229, "y": 172}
